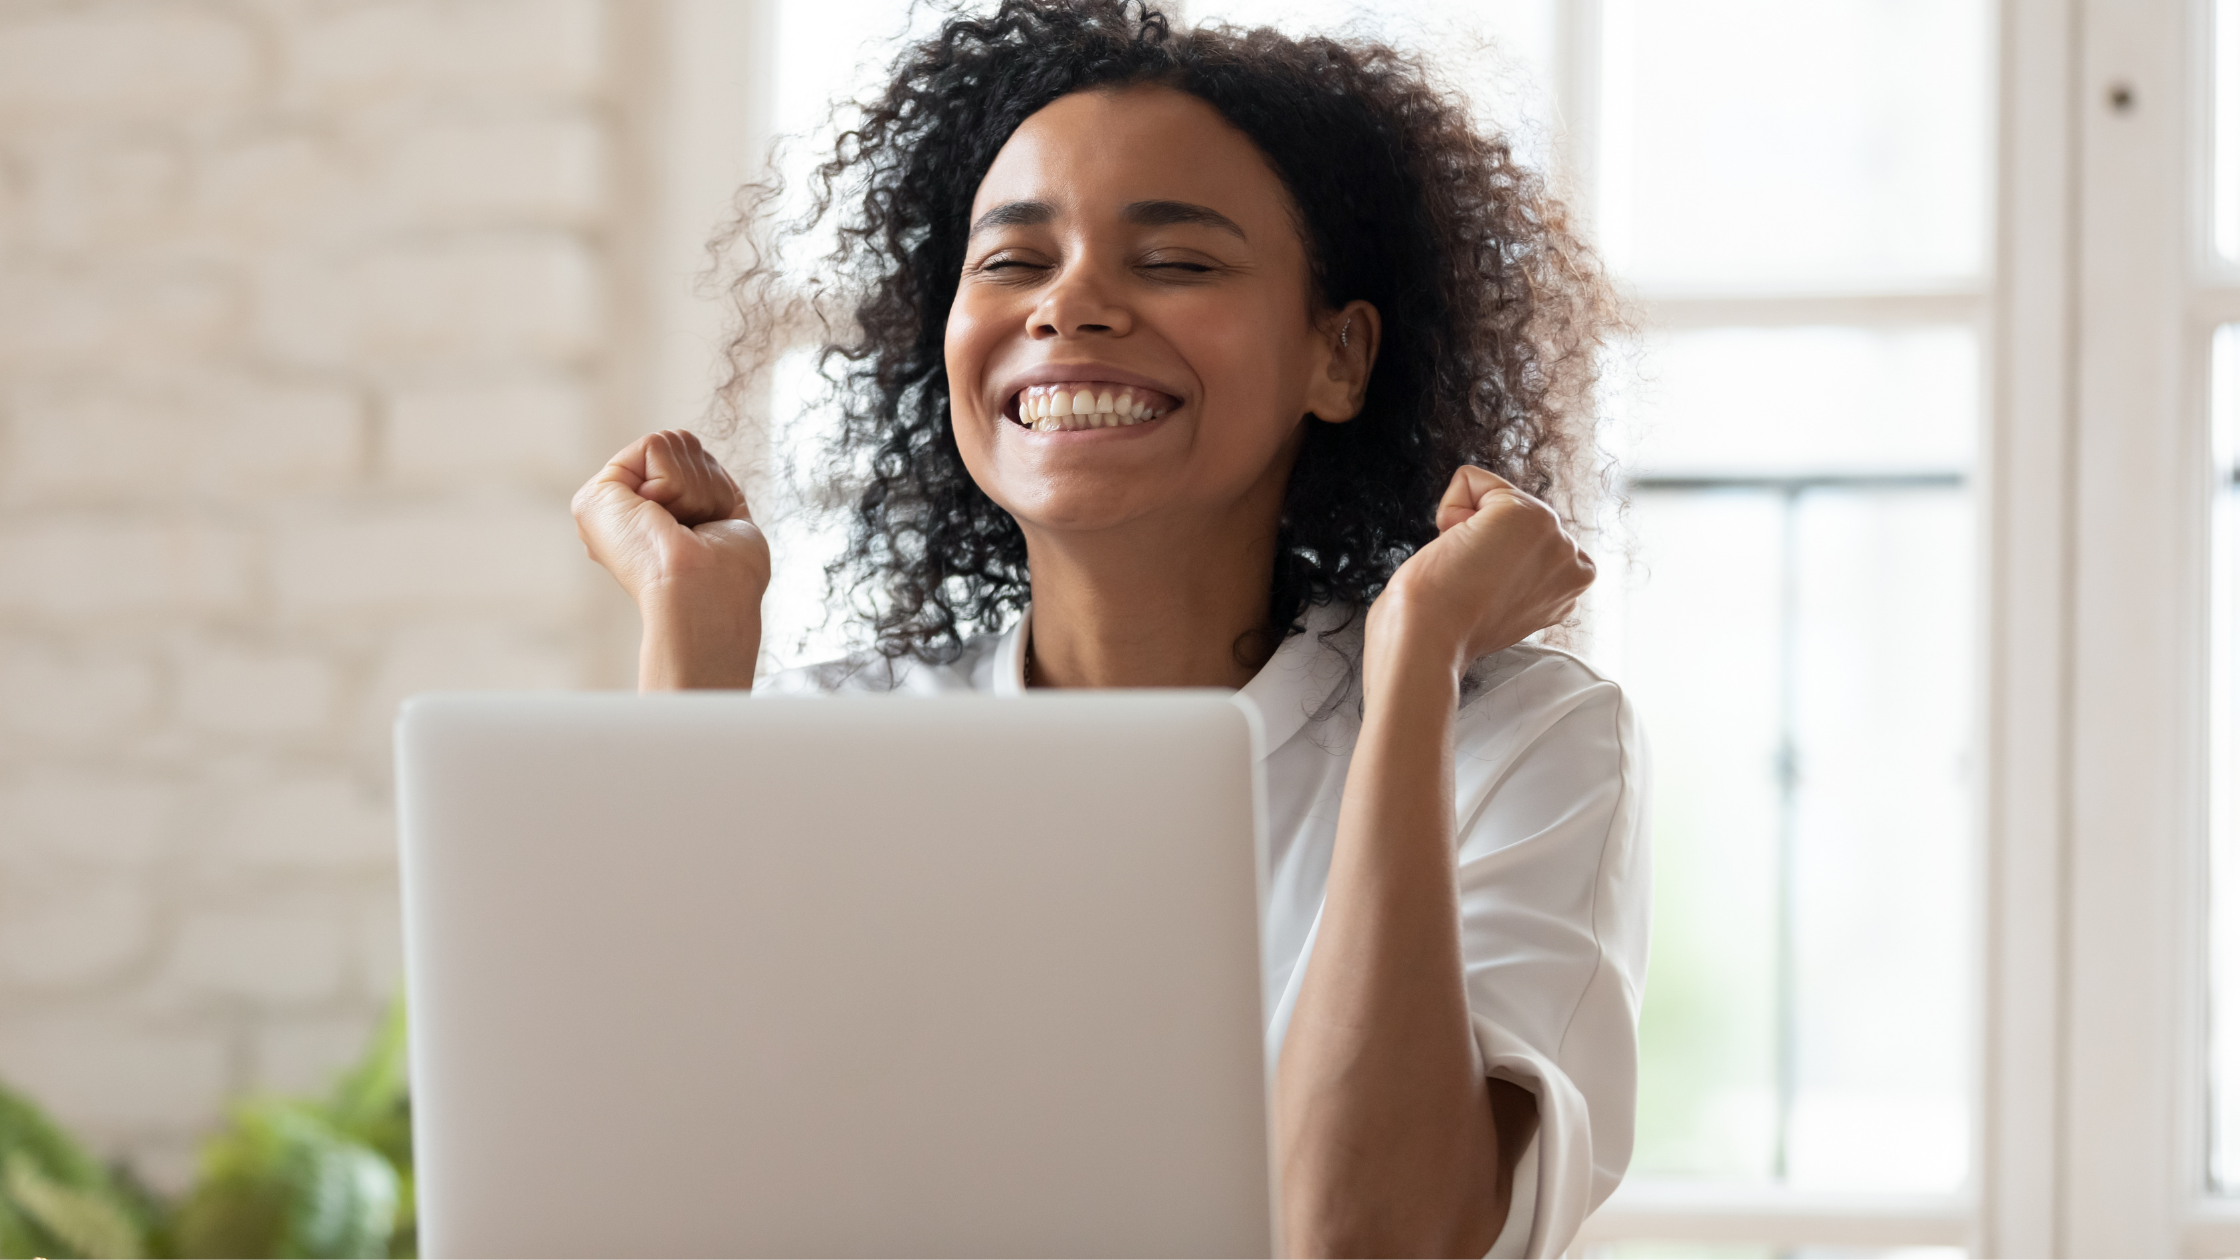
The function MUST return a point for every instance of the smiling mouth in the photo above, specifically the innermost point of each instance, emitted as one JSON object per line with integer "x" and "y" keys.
{"x": 1067, "y": 407}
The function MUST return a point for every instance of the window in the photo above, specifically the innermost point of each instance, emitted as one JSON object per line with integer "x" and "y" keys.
{"x": 1925, "y": 586}
{"x": 1799, "y": 195}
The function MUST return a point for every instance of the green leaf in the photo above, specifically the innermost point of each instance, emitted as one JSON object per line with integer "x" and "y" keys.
{"x": 284, "y": 1180}
{"x": 88, "y": 1222}
{"x": 370, "y": 1093}
{"x": 404, "y": 1236}
{"x": 25, "y": 1128}
{"x": 231, "y": 1218}
{"x": 55, "y": 1199}
{"x": 149, "y": 1209}
{"x": 16, "y": 1238}
{"x": 346, "y": 1201}
{"x": 372, "y": 1101}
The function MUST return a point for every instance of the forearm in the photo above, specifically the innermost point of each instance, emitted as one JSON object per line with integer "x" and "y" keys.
{"x": 1387, "y": 1135}
{"x": 702, "y": 642}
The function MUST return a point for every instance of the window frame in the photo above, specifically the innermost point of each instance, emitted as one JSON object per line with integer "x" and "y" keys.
{"x": 2132, "y": 1091}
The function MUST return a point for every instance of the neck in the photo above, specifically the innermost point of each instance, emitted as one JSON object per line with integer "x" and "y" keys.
{"x": 1152, "y": 605}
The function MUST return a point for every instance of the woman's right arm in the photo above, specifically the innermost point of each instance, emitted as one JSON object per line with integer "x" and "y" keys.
{"x": 671, "y": 525}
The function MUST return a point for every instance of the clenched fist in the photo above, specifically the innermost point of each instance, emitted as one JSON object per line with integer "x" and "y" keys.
{"x": 670, "y": 524}
{"x": 1501, "y": 568}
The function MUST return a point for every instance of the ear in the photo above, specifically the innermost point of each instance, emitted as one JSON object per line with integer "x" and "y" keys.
{"x": 1339, "y": 381}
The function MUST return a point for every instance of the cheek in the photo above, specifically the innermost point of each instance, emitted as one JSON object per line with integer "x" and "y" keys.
{"x": 1247, "y": 353}
{"x": 965, "y": 347}
{"x": 967, "y": 344}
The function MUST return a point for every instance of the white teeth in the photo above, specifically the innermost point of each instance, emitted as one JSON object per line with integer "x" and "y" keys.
{"x": 1061, "y": 409}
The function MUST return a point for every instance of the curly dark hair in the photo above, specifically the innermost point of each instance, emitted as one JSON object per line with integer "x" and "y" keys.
{"x": 1493, "y": 307}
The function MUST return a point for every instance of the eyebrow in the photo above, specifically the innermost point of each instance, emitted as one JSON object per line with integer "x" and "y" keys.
{"x": 1143, "y": 213}
{"x": 1015, "y": 214}
{"x": 1164, "y": 213}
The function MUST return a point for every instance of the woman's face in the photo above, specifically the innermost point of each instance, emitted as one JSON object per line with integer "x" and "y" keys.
{"x": 1134, "y": 259}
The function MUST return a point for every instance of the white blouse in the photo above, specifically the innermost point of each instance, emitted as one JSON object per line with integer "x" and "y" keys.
{"x": 1552, "y": 860}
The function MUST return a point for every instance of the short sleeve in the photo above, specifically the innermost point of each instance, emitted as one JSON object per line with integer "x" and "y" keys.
{"x": 1553, "y": 872}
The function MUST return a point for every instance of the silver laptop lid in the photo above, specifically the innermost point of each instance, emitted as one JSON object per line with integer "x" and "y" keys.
{"x": 705, "y": 974}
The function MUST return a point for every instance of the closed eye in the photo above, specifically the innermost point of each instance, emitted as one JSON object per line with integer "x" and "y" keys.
{"x": 1008, "y": 262}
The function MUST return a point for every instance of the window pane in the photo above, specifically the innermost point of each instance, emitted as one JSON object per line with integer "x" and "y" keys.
{"x": 833, "y": 50}
{"x": 802, "y": 624}
{"x": 1801, "y": 660}
{"x": 1795, "y": 626}
{"x": 1771, "y": 143}
{"x": 1798, "y": 401}
{"x": 2224, "y": 777}
{"x": 1699, "y": 630}
{"x": 1882, "y": 871}
{"x": 1501, "y": 52}
{"x": 2225, "y": 172}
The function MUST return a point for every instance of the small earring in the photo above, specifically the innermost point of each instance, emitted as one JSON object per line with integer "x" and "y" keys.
{"x": 1343, "y": 329}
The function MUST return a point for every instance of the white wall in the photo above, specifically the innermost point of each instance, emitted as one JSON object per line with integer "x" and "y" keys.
{"x": 311, "y": 317}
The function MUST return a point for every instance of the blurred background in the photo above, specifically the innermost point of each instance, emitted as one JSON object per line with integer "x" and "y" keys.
{"x": 314, "y": 312}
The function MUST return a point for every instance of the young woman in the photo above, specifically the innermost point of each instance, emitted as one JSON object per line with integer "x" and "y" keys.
{"x": 1256, "y": 366}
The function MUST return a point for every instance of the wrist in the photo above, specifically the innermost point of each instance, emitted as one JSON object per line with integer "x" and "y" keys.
{"x": 698, "y": 639}
{"x": 1404, "y": 638}
{"x": 1410, "y": 655}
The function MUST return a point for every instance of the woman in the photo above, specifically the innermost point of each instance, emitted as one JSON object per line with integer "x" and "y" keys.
{"x": 1255, "y": 365}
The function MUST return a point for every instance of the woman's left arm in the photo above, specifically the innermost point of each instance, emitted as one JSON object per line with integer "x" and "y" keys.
{"x": 1392, "y": 1139}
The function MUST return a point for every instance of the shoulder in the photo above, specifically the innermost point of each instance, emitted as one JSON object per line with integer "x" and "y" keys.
{"x": 869, "y": 673}
{"x": 1531, "y": 685}
{"x": 1537, "y": 723}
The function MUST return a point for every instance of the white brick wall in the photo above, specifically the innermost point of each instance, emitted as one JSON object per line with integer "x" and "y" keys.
{"x": 309, "y": 323}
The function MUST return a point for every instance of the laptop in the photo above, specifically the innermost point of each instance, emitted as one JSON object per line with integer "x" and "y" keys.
{"x": 712, "y": 974}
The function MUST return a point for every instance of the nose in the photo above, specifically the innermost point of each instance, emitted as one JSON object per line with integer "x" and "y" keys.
{"x": 1081, "y": 302}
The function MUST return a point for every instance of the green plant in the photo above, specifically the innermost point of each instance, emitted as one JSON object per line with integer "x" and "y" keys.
{"x": 55, "y": 1199}
{"x": 285, "y": 1177}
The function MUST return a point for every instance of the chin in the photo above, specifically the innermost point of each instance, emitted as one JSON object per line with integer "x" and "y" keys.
{"x": 1079, "y": 509}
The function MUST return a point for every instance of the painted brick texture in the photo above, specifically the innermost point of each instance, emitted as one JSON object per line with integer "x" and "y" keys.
{"x": 303, "y": 345}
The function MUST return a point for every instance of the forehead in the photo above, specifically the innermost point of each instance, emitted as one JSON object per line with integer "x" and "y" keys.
{"x": 1103, "y": 149}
